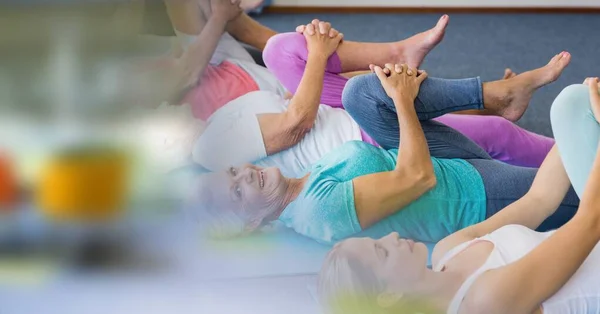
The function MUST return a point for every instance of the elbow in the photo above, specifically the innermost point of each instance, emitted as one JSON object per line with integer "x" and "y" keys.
{"x": 300, "y": 125}
{"x": 423, "y": 179}
{"x": 305, "y": 126}
{"x": 294, "y": 134}
{"x": 427, "y": 180}
{"x": 300, "y": 121}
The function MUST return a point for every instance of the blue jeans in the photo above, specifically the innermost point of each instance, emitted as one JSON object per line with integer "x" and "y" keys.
{"x": 366, "y": 101}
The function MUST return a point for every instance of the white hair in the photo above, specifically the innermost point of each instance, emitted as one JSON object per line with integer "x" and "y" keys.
{"x": 218, "y": 222}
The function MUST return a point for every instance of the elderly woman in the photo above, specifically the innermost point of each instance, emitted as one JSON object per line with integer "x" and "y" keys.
{"x": 500, "y": 265}
{"x": 360, "y": 189}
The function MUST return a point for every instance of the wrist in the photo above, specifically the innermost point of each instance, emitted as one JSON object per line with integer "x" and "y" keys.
{"x": 218, "y": 19}
{"x": 402, "y": 99}
{"x": 316, "y": 56}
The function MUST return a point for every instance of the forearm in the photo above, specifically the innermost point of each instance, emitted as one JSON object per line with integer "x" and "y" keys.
{"x": 304, "y": 105}
{"x": 590, "y": 201}
{"x": 247, "y": 30}
{"x": 413, "y": 152}
{"x": 528, "y": 211}
{"x": 196, "y": 58}
{"x": 379, "y": 195}
{"x": 283, "y": 130}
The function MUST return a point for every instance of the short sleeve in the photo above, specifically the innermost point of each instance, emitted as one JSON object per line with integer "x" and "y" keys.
{"x": 229, "y": 140}
{"x": 332, "y": 215}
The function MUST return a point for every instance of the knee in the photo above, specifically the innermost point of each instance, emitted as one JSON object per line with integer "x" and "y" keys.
{"x": 283, "y": 45}
{"x": 357, "y": 93}
{"x": 489, "y": 131}
{"x": 571, "y": 104}
{"x": 498, "y": 125}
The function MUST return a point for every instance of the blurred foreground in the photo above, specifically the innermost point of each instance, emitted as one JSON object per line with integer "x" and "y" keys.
{"x": 88, "y": 202}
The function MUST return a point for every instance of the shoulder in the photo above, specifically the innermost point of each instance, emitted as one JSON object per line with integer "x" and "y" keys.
{"x": 327, "y": 210}
{"x": 325, "y": 187}
{"x": 478, "y": 300}
{"x": 231, "y": 138}
{"x": 487, "y": 295}
{"x": 448, "y": 244}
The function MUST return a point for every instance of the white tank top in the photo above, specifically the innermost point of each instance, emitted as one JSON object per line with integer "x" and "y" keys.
{"x": 581, "y": 294}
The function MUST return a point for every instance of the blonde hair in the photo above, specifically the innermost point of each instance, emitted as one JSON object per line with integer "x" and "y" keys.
{"x": 347, "y": 286}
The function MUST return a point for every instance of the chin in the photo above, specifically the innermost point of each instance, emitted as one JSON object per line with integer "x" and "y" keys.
{"x": 273, "y": 170}
{"x": 421, "y": 249}
{"x": 273, "y": 176}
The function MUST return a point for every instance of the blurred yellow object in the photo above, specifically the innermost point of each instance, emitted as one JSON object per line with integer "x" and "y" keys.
{"x": 85, "y": 183}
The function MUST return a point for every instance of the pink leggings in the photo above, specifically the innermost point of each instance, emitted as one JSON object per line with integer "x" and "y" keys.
{"x": 285, "y": 55}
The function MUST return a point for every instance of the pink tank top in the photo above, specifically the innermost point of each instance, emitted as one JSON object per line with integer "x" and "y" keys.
{"x": 218, "y": 85}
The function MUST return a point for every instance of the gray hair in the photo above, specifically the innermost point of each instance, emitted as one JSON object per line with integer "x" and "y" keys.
{"x": 218, "y": 222}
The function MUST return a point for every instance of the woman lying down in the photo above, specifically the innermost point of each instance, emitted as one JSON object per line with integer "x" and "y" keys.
{"x": 362, "y": 190}
{"x": 500, "y": 265}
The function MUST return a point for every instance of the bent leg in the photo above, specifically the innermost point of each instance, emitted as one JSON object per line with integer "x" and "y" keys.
{"x": 436, "y": 96}
{"x": 505, "y": 184}
{"x": 366, "y": 101}
{"x": 502, "y": 139}
{"x": 286, "y": 55}
{"x": 577, "y": 133}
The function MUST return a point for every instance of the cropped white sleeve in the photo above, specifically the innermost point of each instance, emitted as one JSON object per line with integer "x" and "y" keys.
{"x": 229, "y": 140}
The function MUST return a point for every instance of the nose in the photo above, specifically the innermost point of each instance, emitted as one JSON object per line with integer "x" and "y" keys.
{"x": 392, "y": 237}
{"x": 246, "y": 174}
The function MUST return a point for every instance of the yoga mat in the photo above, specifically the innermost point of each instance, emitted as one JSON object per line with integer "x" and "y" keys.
{"x": 277, "y": 252}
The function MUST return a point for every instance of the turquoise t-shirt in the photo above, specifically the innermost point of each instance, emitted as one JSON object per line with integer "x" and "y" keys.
{"x": 325, "y": 209}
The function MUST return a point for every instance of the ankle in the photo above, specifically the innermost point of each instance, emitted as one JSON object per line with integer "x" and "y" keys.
{"x": 398, "y": 52}
{"x": 496, "y": 97}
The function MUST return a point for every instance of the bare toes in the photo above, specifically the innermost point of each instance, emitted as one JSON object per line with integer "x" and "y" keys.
{"x": 442, "y": 22}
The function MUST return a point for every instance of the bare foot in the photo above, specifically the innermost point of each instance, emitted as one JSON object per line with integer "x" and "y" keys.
{"x": 510, "y": 97}
{"x": 508, "y": 74}
{"x": 413, "y": 50}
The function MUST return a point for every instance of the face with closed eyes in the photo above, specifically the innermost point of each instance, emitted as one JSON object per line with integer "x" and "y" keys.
{"x": 401, "y": 263}
{"x": 252, "y": 193}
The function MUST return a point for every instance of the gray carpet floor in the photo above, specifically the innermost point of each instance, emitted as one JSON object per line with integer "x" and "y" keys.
{"x": 483, "y": 45}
